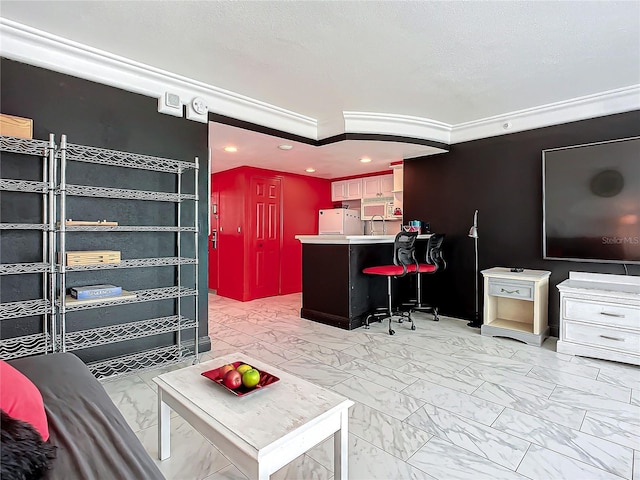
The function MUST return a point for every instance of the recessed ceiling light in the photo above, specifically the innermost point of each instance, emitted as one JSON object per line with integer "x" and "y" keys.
{"x": 230, "y": 149}
{"x": 284, "y": 146}
{"x": 310, "y": 170}
{"x": 365, "y": 159}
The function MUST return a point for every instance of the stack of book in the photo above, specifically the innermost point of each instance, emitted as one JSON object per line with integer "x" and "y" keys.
{"x": 91, "y": 257}
{"x": 93, "y": 293}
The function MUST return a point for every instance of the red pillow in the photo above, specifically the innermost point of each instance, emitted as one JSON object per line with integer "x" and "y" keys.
{"x": 21, "y": 399}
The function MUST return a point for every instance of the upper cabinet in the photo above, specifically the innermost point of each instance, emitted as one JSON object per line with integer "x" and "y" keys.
{"x": 346, "y": 190}
{"x": 354, "y": 189}
{"x": 398, "y": 178}
{"x": 378, "y": 186}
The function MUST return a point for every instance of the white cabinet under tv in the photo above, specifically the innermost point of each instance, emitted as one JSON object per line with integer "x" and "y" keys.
{"x": 600, "y": 316}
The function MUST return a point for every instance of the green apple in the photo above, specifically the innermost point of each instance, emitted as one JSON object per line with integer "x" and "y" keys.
{"x": 251, "y": 378}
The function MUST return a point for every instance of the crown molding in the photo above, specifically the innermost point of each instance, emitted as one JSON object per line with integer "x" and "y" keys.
{"x": 581, "y": 108}
{"x": 385, "y": 124}
{"x": 393, "y": 124}
{"x": 35, "y": 47}
{"x": 42, "y": 49}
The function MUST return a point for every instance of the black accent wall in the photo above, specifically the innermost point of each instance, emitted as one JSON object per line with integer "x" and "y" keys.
{"x": 502, "y": 178}
{"x": 102, "y": 116}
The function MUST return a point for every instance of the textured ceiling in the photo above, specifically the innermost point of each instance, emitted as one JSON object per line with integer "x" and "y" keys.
{"x": 448, "y": 61}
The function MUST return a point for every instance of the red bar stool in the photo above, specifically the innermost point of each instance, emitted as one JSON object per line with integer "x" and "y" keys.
{"x": 404, "y": 262}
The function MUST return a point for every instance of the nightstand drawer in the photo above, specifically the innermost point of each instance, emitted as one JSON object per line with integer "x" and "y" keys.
{"x": 521, "y": 290}
{"x": 602, "y": 313}
{"x": 586, "y": 334}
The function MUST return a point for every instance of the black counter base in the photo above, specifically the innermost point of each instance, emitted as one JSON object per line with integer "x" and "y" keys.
{"x": 334, "y": 289}
{"x": 333, "y": 320}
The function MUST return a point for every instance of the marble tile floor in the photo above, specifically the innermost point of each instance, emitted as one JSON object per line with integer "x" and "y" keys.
{"x": 441, "y": 402}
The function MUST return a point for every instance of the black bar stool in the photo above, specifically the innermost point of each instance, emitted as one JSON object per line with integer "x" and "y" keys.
{"x": 434, "y": 262}
{"x": 404, "y": 262}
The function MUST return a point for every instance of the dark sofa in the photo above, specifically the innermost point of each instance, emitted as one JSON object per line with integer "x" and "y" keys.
{"x": 92, "y": 437}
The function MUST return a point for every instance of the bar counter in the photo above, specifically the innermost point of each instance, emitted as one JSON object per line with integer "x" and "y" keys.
{"x": 334, "y": 289}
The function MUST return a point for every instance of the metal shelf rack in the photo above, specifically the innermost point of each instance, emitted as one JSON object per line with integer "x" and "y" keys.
{"x": 148, "y": 295}
{"x": 94, "y": 337}
{"x": 25, "y": 345}
{"x": 135, "y": 263}
{"x": 53, "y": 186}
{"x": 128, "y": 228}
{"x": 177, "y": 323}
{"x": 140, "y": 361}
{"x": 17, "y": 268}
{"x": 42, "y": 341}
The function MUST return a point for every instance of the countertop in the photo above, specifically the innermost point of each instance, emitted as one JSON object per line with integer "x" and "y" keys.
{"x": 351, "y": 239}
{"x": 505, "y": 272}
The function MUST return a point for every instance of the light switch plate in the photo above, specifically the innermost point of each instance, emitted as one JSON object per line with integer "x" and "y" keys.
{"x": 172, "y": 100}
{"x": 170, "y": 104}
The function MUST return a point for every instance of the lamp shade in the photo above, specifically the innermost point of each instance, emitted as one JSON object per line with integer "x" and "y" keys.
{"x": 473, "y": 231}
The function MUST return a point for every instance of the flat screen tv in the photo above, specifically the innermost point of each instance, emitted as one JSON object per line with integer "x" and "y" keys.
{"x": 591, "y": 202}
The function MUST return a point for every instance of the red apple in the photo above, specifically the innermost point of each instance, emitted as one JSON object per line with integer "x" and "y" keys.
{"x": 232, "y": 379}
{"x": 222, "y": 371}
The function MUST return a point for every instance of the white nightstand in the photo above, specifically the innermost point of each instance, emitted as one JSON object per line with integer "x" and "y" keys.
{"x": 515, "y": 304}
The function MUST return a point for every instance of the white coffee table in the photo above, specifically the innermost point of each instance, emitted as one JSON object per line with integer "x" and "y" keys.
{"x": 260, "y": 432}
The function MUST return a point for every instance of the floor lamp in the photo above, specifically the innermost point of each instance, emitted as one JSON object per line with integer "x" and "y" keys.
{"x": 473, "y": 233}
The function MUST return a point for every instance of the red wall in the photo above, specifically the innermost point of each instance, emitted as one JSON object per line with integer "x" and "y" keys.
{"x": 231, "y": 189}
{"x": 302, "y": 197}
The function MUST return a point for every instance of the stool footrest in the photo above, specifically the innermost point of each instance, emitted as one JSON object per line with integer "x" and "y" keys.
{"x": 417, "y": 307}
{"x": 382, "y": 313}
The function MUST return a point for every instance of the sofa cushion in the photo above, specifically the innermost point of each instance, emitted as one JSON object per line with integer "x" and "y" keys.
{"x": 94, "y": 440}
{"x": 21, "y": 399}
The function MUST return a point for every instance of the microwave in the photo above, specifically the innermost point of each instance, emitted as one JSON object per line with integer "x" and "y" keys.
{"x": 382, "y": 206}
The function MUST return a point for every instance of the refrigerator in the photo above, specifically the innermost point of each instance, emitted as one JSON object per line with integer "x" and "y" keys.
{"x": 339, "y": 221}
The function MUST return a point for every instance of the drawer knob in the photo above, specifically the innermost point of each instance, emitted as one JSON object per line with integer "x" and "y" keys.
{"x": 618, "y": 315}
{"x": 509, "y": 291}
{"x": 612, "y": 338}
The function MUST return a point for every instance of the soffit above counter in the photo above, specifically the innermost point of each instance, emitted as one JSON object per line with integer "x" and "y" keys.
{"x": 351, "y": 239}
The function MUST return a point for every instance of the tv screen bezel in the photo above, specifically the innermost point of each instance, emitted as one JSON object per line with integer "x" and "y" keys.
{"x": 544, "y": 206}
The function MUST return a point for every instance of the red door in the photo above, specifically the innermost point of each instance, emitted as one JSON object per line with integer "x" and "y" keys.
{"x": 213, "y": 243}
{"x": 265, "y": 237}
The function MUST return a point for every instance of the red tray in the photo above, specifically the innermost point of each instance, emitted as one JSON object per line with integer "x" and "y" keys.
{"x": 266, "y": 379}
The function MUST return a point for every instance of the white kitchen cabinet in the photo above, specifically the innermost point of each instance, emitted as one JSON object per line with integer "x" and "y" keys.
{"x": 378, "y": 186}
{"x": 338, "y": 191}
{"x": 600, "y": 316}
{"x": 354, "y": 189}
{"x": 398, "y": 179}
{"x": 386, "y": 185}
{"x": 346, "y": 190}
